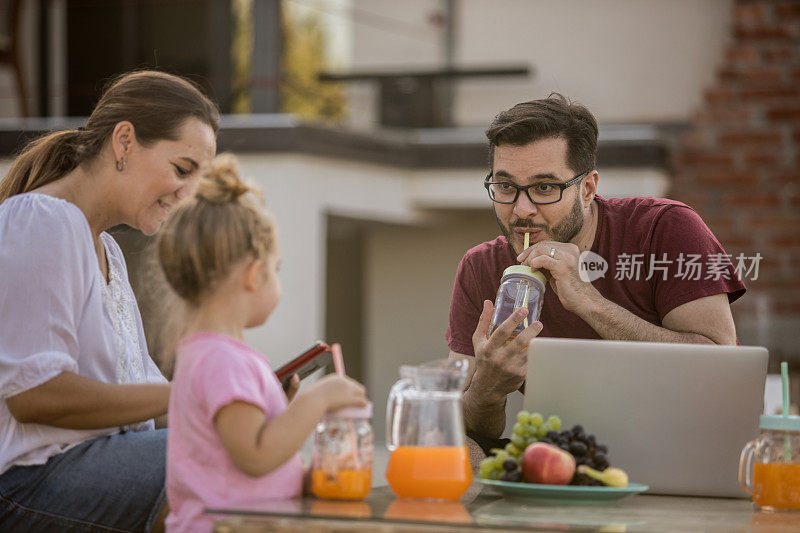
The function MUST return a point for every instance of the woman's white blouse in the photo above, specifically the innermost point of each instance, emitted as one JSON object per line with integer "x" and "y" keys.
{"x": 57, "y": 314}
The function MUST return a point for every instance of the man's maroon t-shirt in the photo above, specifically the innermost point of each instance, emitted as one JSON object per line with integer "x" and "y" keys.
{"x": 630, "y": 232}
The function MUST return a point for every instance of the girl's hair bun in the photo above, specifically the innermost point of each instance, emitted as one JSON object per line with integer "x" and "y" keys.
{"x": 221, "y": 184}
{"x": 207, "y": 235}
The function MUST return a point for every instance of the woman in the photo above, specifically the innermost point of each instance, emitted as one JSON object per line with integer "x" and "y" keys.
{"x": 78, "y": 390}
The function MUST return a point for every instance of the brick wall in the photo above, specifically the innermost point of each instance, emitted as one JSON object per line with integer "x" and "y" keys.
{"x": 739, "y": 167}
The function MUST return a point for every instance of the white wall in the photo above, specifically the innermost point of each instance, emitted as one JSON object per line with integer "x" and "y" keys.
{"x": 628, "y": 60}
{"x": 387, "y": 33}
{"x": 300, "y": 192}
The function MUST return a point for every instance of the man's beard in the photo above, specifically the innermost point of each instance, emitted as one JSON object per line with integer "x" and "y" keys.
{"x": 564, "y": 231}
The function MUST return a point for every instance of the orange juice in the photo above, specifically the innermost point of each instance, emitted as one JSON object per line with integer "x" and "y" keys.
{"x": 776, "y": 485}
{"x": 348, "y": 509}
{"x": 345, "y": 485}
{"x": 436, "y": 472}
{"x": 428, "y": 511}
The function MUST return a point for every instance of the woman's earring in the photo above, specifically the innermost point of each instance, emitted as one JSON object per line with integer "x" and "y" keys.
{"x": 121, "y": 164}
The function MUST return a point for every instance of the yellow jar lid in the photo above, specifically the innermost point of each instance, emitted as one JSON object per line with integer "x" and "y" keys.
{"x": 525, "y": 270}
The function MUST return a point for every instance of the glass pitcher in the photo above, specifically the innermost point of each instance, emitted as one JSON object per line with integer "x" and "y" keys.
{"x": 769, "y": 467}
{"x": 425, "y": 432}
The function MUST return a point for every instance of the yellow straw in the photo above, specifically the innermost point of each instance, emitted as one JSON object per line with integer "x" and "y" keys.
{"x": 527, "y": 287}
{"x": 525, "y": 320}
{"x": 787, "y": 448}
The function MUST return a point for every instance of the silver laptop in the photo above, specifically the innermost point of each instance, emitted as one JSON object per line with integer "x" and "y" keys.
{"x": 674, "y": 416}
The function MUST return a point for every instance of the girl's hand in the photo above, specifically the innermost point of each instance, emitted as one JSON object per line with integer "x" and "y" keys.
{"x": 339, "y": 391}
{"x": 294, "y": 386}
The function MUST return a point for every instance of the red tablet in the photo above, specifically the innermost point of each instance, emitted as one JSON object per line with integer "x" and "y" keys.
{"x": 308, "y": 362}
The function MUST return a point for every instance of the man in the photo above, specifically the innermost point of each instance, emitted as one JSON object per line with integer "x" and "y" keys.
{"x": 543, "y": 182}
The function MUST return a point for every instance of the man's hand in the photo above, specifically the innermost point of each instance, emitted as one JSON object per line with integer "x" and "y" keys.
{"x": 499, "y": 369}
{"x": 501, "y": 362}
{"x": 561, "y": 261}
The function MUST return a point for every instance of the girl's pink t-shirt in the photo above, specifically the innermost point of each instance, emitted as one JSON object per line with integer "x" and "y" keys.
{"x": 212, "y": 371}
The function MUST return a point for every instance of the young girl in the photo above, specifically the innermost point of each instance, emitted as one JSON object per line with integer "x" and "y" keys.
{"x": 232, "y": 438}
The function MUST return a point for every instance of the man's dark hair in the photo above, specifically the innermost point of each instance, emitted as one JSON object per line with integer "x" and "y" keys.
{"x": 548, "y": 118}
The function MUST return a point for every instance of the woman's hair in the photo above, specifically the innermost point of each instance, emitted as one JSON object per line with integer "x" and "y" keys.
{"x": 156, "y": 103}
{"x": 207, "y": 235}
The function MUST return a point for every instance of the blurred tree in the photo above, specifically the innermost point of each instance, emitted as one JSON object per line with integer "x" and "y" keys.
{"x": 303, "y": 58}
{"x": 242, "y": 55}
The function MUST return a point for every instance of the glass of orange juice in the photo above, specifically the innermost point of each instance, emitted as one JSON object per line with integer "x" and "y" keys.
{"x": 769, "y": 467}
{"x": 341, "y": 468}
{"x": 425, "y": 432}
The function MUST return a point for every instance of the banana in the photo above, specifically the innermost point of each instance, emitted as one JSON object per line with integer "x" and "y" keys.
{"x": 613, "y": 477}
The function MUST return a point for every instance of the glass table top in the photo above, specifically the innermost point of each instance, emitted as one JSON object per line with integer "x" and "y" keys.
{"x": 482, "y": 507}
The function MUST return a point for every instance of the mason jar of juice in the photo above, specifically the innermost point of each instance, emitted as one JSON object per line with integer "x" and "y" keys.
{"x": 769, "y": 467}
{"x": 520, "y": 286}
{"x": 341, "y": 467}
{"x": 425, "y": 432}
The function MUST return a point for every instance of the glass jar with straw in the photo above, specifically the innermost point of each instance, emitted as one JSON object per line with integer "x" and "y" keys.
{"x": 520, "y": 286}
{"x": 341, "y": 467}
{"x": 769, "y": 467}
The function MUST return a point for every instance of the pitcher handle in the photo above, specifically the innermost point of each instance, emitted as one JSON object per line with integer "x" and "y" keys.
{"x": 393, "y": 407}
{"x": 745, "y": 467}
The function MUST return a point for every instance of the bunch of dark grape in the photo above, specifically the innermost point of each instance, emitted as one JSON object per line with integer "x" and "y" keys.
{"x": 512, "y": 470}
{"x": 584, "y": 448}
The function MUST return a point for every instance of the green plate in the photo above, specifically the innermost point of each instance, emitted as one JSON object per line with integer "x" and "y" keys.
{"x": 564, "y": 494}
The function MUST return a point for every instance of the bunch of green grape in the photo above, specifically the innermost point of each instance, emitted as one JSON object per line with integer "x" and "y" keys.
{"x": 530, "y": 428}
{"x": 503, "y": 464}
{"x": 500, "y": 466}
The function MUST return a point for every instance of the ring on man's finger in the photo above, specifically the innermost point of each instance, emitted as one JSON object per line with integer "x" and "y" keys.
{"x": 552, "y": 253}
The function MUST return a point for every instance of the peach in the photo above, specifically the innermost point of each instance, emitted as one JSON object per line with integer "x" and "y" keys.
{"x": 545, "y": 463}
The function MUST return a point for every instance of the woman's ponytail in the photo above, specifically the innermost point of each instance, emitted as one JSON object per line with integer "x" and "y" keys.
{"x": 43, "y": 161}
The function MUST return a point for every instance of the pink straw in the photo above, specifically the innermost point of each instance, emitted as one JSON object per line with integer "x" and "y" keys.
{"x": 338, "y": 366}
{"x": 338, "y": 360}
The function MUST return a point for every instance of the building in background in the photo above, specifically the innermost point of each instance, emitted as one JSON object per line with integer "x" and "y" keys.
{"x": 697, "y": 100}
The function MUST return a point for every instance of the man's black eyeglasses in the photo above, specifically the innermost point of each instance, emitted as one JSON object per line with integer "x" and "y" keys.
{"x": 541, "y": 193}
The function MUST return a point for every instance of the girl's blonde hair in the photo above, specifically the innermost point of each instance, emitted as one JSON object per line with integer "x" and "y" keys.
{"x": 207, "y": 235}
